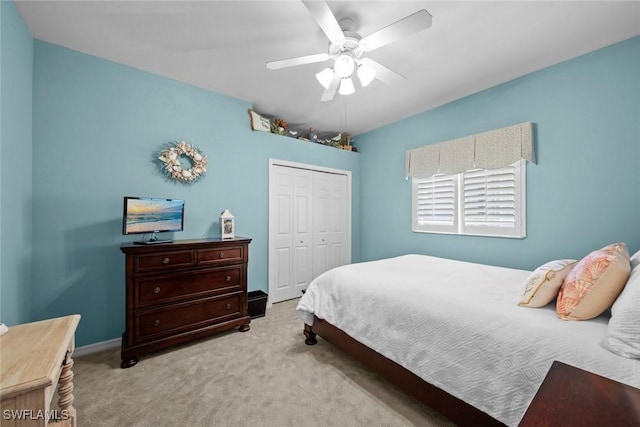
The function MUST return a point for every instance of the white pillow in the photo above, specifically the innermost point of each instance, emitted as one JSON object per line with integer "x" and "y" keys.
{"x": 623, "y": 331}
{"x": 543, "y": 284}
{"x": 635, "y": 260}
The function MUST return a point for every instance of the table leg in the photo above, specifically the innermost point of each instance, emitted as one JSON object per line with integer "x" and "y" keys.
{"x": 65, "y": 391}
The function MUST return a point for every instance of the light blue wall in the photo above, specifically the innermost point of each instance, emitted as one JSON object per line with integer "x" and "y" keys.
{"x": 584, "y": 191}
{"x": 97, "y": 125}
{"x": 16, "y": 72}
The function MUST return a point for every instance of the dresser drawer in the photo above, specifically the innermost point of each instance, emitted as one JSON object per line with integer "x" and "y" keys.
{"x": 222, "y": 255}
{"x": 185, "y": 316}
{"x": 163, "y": 289}
{"x": 163, "y": 260}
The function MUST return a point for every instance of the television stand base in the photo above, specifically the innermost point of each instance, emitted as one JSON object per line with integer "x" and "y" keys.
{"x": 152, "y": 242}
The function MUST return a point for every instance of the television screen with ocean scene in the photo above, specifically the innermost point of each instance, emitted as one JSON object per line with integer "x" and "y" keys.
{"x": 152, "y": 215}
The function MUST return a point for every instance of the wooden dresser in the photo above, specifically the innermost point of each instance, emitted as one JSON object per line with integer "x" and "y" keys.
{"x": 181, "y": 291}
{"x": 35, "y": 360}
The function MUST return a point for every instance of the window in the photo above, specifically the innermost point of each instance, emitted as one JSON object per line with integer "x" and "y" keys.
{"x": 478, "y": 202}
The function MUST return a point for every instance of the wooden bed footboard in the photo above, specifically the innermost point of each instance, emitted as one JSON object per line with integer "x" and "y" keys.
{"x": 451, "y": 407}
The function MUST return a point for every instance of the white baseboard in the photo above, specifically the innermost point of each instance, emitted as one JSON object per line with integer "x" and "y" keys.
{"x": 96, "y": 347}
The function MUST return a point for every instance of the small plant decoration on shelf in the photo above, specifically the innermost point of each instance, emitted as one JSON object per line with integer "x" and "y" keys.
{"x": 279, "y": 126}
{"x": 345, "y": 142}
{"x": 172, "y": 166}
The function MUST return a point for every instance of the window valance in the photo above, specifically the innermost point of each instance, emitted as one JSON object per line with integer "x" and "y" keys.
{"x": 488, "y": 150}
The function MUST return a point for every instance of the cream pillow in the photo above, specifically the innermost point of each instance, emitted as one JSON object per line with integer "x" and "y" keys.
{"x": 543, "y": 284}
{"x": 623, "y": 331}
{"x": 594, "y": 283}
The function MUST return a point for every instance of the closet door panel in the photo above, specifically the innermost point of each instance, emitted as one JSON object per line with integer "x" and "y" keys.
{"x": 303, "y": 233}
{"x": 338, "y": 225}
{"x": 280, "y": 223}
{"x": 321, "y": 223}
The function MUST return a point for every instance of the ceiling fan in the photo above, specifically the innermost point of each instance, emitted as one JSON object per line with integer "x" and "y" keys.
{"x": 346, "y": 48}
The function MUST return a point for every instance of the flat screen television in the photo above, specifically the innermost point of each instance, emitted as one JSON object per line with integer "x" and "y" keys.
{"x": 150, "y": 215}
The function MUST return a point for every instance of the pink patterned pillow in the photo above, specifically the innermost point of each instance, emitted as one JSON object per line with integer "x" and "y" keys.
{"x": 594, "y": 283}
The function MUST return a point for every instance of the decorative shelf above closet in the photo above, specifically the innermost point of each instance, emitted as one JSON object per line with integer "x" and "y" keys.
{"x": 278, "y": 126}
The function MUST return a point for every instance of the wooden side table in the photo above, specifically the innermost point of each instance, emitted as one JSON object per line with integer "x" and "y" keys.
{"x": 35, "y": 358}
{"x": 570, "y": 396}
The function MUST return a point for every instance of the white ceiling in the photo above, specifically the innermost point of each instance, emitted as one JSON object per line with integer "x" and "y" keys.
{"x": 224, "y": 45}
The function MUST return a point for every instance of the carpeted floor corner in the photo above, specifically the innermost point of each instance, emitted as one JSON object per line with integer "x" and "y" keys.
{"x": 266, "y": 377}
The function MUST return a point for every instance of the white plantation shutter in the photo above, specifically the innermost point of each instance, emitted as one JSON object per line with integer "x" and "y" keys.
{"x": 489, "y": 198}
{"x": 492, "y": 201}
{"x": 487, "y": 202}
{"x": 435, "y": 207}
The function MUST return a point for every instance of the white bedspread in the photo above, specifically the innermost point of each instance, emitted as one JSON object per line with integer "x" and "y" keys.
{"x": 457, "y": 325}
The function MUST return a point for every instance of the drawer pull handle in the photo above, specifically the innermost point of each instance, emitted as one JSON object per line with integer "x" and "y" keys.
{"x": 156, "y": 290}
{"x": 221, "y": 255}
{"x": 156, "y": 323}
{"x": 228, "y": 306}
{"x": 228, "y": 278}
{"x": 165, "y": 260}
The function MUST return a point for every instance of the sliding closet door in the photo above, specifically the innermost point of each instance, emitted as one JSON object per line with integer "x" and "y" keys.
{"x": 290, "y": 264}
{"x": 309, "y": 231}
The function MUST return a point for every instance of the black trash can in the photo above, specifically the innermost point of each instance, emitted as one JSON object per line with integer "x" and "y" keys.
{"x": 257, "y": 301}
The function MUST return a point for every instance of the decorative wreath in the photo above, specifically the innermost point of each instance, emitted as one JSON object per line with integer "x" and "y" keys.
{"x": 171, "y": 166}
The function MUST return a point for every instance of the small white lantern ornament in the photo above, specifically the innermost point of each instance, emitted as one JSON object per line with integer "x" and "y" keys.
{"x": 226, "y": 224}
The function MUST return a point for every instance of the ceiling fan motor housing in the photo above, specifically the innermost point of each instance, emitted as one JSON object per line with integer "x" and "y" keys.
{"x": 351, "y": 46}
{"x": 345, "y": 55}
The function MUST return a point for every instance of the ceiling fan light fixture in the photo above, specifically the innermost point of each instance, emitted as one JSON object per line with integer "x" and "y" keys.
{"x": 366, "y": 75}
{"x": 344, "y": 65}
{"x": 325, "y": 77}
{"x": 346, "y": 86}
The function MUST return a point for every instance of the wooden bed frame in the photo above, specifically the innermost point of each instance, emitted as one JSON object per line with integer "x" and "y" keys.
{"x": 451, "y": 407}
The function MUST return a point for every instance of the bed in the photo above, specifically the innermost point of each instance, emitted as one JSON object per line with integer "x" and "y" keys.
{"x": 451, "y": 333}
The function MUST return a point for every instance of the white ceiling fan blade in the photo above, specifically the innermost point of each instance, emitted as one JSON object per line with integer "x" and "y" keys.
{"x": 301, "y": 60}
{"x": 330, "y": 92}
{"x": 421, "y": 20}
{"x": 324, "y": 17}
{"x": 383, "y": 74}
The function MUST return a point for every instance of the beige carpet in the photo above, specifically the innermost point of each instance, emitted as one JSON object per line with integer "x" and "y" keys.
{"x": 264, "y": 377}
